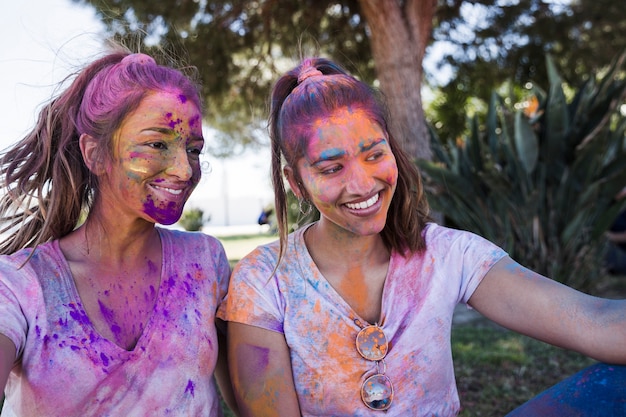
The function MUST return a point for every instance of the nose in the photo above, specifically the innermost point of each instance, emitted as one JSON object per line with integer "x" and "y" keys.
{"x": 179, "y": 164}
{"x": 360, "y": 180}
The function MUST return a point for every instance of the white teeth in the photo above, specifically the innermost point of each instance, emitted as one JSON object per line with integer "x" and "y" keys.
{"x": 169, "y": 190}
{"x": 364, "y": 204}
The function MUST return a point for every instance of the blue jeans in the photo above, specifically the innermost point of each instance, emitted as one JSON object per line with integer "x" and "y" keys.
{"x": 596, "y": 391}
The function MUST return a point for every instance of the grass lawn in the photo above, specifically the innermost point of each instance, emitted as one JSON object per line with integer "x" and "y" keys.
{"x": 498, "y": 370}
{"x": 237, "y": 247}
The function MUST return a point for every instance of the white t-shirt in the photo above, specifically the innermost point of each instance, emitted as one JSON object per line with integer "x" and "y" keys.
{"x": 419, "y": 297}
{"x": 65, "y": 368}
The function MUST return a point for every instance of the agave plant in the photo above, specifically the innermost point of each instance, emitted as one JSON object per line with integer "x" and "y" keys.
{"x": 542, "y": 185}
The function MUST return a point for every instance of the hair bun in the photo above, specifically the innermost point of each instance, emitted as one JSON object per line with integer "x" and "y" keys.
{"x": 138, "y": 58}
{"x": 309, "y": 72}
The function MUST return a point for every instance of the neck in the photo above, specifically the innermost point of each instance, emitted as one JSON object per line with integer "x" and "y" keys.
{"x": 113, "y": 245}
{"x": 345, "y": 249}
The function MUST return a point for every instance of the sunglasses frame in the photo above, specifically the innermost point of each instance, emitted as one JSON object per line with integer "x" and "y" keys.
{"x": 372, "y": 345}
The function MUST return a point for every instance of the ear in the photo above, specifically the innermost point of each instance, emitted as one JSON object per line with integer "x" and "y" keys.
{"x": 293, "y": 183}
{"x": 89, "y": 149}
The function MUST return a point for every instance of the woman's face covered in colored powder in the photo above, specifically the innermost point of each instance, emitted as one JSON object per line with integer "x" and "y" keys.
{"x": 350, "y": 171}
{"x": 156, "y": 159}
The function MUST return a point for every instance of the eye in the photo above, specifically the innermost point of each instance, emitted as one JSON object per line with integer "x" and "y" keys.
{"x": 330, "y": 169}
{"x": 375, "y": 155}
{"x": 194, "y": 151}
{"x": 158, "y": 145}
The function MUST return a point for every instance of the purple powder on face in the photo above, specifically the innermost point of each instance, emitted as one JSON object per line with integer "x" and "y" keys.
{"x": 152, "y": 266}
{"x": 107, "y": 313}
{"x": 182, "y": 98}
{"x": 174, "y": 122}
{"x": 195, "y": 121}
{"x": 164, "y": 215}
{"x": 109, "y": 316}
{"x": 116, "y": 329}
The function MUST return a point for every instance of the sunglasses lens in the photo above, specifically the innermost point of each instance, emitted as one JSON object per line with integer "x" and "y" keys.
{"x": 372, "y": 343}
{"x": 377, "y": 392}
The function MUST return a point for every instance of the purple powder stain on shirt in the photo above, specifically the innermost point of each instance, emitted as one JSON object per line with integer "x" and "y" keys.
{"x": 78, "y": 314}
{"x": 105, "y": 359}
{"x": 171, "y": 282}
{"x": 190, "y": 387}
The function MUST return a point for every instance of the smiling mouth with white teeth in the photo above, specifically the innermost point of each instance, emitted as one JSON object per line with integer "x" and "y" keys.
{"x": 364, "y": 204}
{"x": 169, "y": 190}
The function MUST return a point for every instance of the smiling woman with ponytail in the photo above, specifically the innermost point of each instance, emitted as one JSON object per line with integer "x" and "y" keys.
{"x": 102, "y": 313}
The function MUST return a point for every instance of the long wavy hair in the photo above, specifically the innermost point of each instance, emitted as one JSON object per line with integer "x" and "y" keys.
{"x": 297, "y": 102}
{"x": 46, "y": 185}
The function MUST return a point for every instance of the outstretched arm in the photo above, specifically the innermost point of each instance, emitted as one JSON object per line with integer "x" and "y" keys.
{"x": 260, "y": 369}
{"x": 7, "y": 357}
{"x": 526, "y": 302}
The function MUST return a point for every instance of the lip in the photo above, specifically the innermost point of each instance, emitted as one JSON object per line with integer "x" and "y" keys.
{"x": 365, "y": 207}
{"x": 170, "y": 191}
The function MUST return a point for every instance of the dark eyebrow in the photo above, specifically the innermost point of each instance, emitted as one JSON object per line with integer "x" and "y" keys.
{"x": 329, "y": 155}
{"x": 365, "y": 148}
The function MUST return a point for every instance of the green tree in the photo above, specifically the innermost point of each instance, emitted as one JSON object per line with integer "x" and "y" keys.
{"x": 491, "y": 44}
{"x": 540, "y": 181}
{"x": 193, "y": 219}
{"x": 240, "y": 46}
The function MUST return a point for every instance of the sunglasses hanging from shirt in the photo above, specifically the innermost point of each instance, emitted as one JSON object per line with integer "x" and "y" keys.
{"x": 377, "y": 389}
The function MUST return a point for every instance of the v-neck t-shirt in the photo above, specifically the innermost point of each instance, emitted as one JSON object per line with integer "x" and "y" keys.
{"x": 419, "y": 296}
{"x": 64, "y": 367}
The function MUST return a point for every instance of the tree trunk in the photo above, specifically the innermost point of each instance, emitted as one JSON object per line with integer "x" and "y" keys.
{"x": 399, "y": 33}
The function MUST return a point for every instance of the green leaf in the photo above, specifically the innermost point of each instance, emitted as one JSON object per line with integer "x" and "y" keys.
{"x": 526, "y": 142}
{"x": 557, "y": 122}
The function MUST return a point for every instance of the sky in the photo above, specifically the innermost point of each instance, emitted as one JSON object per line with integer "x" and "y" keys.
{"x": 44, "y": 41}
